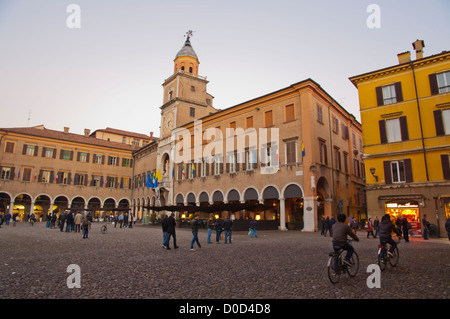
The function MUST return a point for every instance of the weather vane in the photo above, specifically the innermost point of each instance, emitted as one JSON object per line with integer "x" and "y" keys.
{"x": 189, "y": 34}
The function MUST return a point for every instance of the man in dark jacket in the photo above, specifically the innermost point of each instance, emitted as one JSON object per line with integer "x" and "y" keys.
{"x": 195, "y": 225}
{"x": 386, "y": 228}
{"x": 227, "y": 227}
{"x": 171, "y": 223}
{"x": 340, "y": 232}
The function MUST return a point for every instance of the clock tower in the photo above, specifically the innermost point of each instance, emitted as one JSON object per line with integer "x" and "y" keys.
{"x": 185, "y": 100}
{"x": 185, "y": 96}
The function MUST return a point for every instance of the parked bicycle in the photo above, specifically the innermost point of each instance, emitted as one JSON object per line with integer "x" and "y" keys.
{"x": 385, "y": 257}
{"x": 337, "y": 266}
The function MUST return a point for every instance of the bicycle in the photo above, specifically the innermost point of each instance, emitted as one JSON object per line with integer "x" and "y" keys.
{"x": 384, "y": 258}
{"x": 336, "y": 265}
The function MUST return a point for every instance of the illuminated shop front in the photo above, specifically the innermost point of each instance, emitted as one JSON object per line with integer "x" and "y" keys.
{"x": 410, "y": 209}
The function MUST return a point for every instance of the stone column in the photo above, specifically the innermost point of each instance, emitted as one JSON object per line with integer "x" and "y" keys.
{"x": 282, "y": 214}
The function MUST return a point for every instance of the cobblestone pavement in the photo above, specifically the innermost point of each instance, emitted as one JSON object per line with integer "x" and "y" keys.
{"x": 130, "y": 263}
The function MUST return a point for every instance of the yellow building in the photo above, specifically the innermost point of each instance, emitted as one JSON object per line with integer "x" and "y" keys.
{"x": 405, "y": 116}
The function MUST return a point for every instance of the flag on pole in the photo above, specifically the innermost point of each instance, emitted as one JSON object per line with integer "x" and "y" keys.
{"x": 158, "y": 175}
{"x": 193, "y": 169}
{"x": 303, "y": 149}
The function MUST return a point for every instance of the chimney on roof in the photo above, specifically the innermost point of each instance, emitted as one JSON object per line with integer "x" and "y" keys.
{"x": 151, "y": 134}
{"x": 404, "y": 57}
{"x": 418, "y": 45}
{"x": 87, "y": 132}
{"x": 66, "y": 129}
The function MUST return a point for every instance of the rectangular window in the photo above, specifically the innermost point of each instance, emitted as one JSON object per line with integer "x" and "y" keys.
{"x": 337, "y": 159}
{"x": 204, "y": 168}
{"x": 26, "y": 175}
{"x": 125, "y": 183}
{"x": 249, "y": 122}
{"x": 231, "y": 162}
{"x": 393, "y": 130}
{"x": 289, "y": 111}
{"x": 442, "y": 122}
{"x": 192, "y": 112}
{"x": 319, "y": 114}
{"x": 389, "y": 94}
{"x": 113, "y": 160}
{"x": 445, "y": 160}
{"x": 98, "y": 159}
{"x": 399, "y": 171}
{"x": 45, "y": 176}
{"x": 95, "y": 180}
{"x": 30, "y": 150}
{"x": 443, "y": 81}
{"x": 110, "y": 182}
{"x": 251, "y": 159}
{"x": 49, "y": 152}
{"x": 9, "y": 147}
{"x": 126, "y": 162}
{"x": 291, "y": 152}
{"x": 218, "y": 165}
{"x": 268, "y": 118}
{"x": 323, "y": 152}
{"x": 346, "y": 162}
{"x": 335, "y": 125}
{"x": 82, "y": 157}
{"x": 66, "y": 155}
{"x": 6, "y": 173}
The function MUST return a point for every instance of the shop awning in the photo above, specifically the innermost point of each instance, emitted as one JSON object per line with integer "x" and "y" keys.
{"x": 231, "y": 207}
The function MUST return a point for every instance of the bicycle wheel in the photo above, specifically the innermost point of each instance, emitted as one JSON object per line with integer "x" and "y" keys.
{"x": 334, "y": 266}
{"x": 394, "y": 260}
{"x": 103, "y": 229}
{"x": 353, "y": 269}
{"x": 382, "y": 258}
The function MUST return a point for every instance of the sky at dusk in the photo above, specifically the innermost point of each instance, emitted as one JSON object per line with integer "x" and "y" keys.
{"x": 109, "y": 71}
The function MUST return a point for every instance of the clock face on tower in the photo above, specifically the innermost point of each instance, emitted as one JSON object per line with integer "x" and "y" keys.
{"x": 168, "y": 123}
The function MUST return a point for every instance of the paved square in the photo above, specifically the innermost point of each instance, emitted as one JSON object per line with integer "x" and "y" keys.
{"x": 130, "y": 264}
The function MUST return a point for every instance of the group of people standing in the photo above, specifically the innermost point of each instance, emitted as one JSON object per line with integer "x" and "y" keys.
{"x": 73, "y": 222}
{"x": 220, "y": 226}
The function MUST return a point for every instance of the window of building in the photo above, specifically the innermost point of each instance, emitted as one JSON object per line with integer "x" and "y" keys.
{"x": 10, "y": 147}
{"x": 319, "y": 113}
{"x": 192, "y": 112}
{"x": 442, "y": 122}
{"x": 337, "y": 158}
{"x": 393, "y": 130}
{"x": 26, "y": 175}
{"x": 289, "y": 112}
{"x": 63, "y": 178}
{"x": 66, "y": 155}
{"x": 82, "y": 156}
{"x": 399, "y": 171}
{"x": 193, "y": 88}
{"x": 346, "y": 162}
{"x": 30, "y": 150}
{"x": 232, "y": 162}
{"x": 95, "y": 180}
{"x": 218, "y": 165}
{"x": 208, "y": 101}
{"x": 110, "y": 182}
{"x": 291, "y": 152}
{"x": 335, "y": 123}
{"x": 6, "y": 173}
{"x": 445, "y": 160}
{"x": 98, "y": 159}
{"x": 126, "y": 162}
{"x": 389, "y": 94}
{"x": 49, "y": 152}
{"x": 113, "y": 160}
{"x": 443, "y": 81}
{"x": 251, "y": 159}
{"x": 45, "y": 176}
{"x": 268, "y": 118}
{"x": 249, "y": 122}
{"x": 125, "y": 183}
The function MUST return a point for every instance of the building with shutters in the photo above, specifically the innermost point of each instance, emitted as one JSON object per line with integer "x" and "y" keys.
{"x": 43, "y": 170}
{"x": 405, "y": 116}
{"x": 318, "y": 154}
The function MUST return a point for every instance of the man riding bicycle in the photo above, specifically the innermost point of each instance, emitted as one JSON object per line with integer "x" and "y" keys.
{"x": 340, "y": 232}
{"x": 386, "y": 228}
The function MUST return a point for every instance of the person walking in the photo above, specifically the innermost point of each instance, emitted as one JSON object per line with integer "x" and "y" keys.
{"x": 121, "y": 220}
{"x": 15, "y": 218}
{"x": 86, "y": 225}
{"x": 166, "y": 235}
{"x": 322, "y": 226}
{"x": 405, "y": 229}
{"x": 53, "y": 220}
{"x": 218, "y": 227}
{"x": 370, "y": 228}
{"x": 195, "y": 225}
{"x": 354, "y": 224}
{"x": 210, "y": 226}
{"x": 77, "y": 220}
{"x": 447, "y": 227}
{"x": 171, "y": 224}
{"x": 376, "y": 224}
{"x": 227, "y": 227}
{"x": 425, "y": 227}
{"x": 253, "y": 226}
